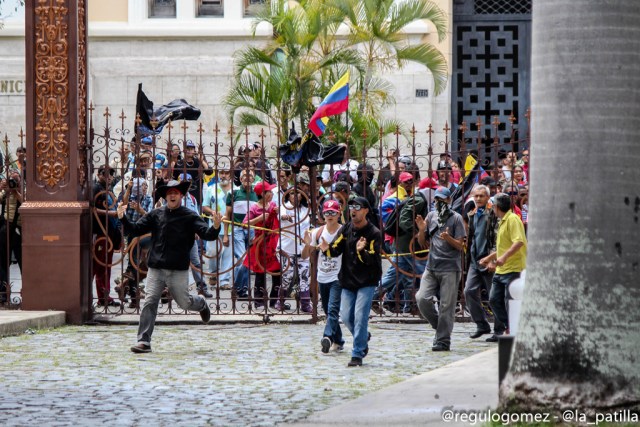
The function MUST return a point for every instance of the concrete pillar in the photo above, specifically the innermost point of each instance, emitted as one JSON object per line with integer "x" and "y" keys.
{"x": 56, "y": 216}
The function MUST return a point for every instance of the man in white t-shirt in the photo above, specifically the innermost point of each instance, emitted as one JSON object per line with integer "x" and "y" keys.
{"x": 294, "y": 222}
{"x": 328, "y": 270}
{"x": 348, "y": 165}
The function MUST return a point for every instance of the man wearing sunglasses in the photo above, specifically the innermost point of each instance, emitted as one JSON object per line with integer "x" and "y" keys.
{"x": 359, "y": 243}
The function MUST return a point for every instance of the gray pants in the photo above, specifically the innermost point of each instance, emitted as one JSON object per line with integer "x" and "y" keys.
{"x": 476, "y": 279}
{"x": 178, "y": 283}
{"x": 442, "y": 286}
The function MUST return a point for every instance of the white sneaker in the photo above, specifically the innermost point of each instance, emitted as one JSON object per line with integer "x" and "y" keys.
{"x": 336, "y": 348}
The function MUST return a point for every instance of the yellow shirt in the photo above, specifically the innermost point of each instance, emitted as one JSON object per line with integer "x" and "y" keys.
{"x": 511, "y": 230}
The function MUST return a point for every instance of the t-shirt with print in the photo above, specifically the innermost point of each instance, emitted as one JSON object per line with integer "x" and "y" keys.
{"x": 328, "y": 267}
{"x": 289, "y": 243}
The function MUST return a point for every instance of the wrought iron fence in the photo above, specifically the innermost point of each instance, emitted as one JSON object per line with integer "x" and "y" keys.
{"x": 119, "y": 263}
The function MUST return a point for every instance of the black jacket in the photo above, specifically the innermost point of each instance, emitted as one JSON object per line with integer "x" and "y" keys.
{"x": 359, "y": 269}
{"x": 172, "y": 235}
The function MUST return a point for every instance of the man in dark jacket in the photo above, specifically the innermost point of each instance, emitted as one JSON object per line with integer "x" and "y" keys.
{"x": 358, "y": 242}
{"x": 173, "y": 228}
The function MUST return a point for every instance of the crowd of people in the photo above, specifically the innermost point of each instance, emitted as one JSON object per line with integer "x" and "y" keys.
{"x": 271, "y": 222}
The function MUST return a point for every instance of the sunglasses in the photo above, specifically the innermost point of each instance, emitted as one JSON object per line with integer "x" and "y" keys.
{"x": 355, "y": 207}
{"x": 513, "y": 193}
{"x": 330, "y": 213}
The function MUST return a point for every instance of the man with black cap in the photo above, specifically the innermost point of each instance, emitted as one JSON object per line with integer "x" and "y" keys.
{"x": 444, "y": 175}
{"x": 173, "y": 228}
{"x": 359, "y": 243}
{"x": 443, "y": 232}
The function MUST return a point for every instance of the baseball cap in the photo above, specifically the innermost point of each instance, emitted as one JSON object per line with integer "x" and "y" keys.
{"x": 263, "y": 187}
{"x": 428, "y": 182}
{"x": 444, "y": 166}
{"x": 442, "y": 193}
{"x": 303, "y": 178}
{"x": 361, "y": 201}
{"x": 189, "y": 143}
{"x": 185, "y": 177}
{"x": 331, "y": 205}
{"x": 405, "y": 177}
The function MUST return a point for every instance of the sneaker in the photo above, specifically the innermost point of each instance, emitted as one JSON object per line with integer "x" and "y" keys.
{"x": 492, "y": 338}
{"x": 205, "y": 314}
{"x": 440, "y": 347}
{"x": 325, "y": 342}
{"x": 377, "y": 309}
{"x": 336, "y": 348}
{"x": 225, "y": 287}
{"x": 141, "y": 348}
{"x": 479, "y": 332}
{"x": 355, "y": 361}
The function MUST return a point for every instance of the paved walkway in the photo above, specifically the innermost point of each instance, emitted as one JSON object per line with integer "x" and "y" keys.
{"x": 238, "y": 375}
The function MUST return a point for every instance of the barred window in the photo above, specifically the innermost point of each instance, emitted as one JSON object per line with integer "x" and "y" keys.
{"x": 210, "y": 8}
{"x": 502, "y": 7}
{"x": 162, "y": 8}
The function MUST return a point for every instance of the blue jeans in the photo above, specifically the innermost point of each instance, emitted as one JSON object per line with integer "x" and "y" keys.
{"x": 499, "y": 298}
{"x": 241, "y": 240}
{"x": 196, "y": 267}
{"x": 330, "y": 294}
{"x": 178, "y": 283}
{"x": 405, "y": 284}
{"x": 220, "y": 259}
{"x": 355, "y": 307}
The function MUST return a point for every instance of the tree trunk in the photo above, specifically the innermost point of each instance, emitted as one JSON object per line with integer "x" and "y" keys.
{"x": 579, "y": 336}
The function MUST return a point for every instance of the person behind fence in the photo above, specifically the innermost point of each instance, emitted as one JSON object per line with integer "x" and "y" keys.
{"x": 294, "y": 222}
{"x": 191, "y": 203}
{"x": 11, "y": 199}
{"x": 219, "y": 255}
{"x": 359, "y": 243}
{"x": 107, "y": 235}
{"x": 509, "y": 258}
{"x": 443, "y": 231}
{"x": 173, "y": 229}
{"x": 483, "y": 230}
{"x": 194, "y": 166}
{"x": 284, "y": 184}
{"x": 261, "y": 257}
{"x": 139, "y": 203}
{"x": 238, "y": 203}
{"x": 327, "y": 275}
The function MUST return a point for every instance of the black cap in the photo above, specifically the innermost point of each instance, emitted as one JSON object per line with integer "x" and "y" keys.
{"x": 444, "y": 166}
{"x": 360, "y": 201}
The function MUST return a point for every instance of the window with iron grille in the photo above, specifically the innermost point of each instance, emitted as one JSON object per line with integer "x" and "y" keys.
{"x": 210, "y": 8}
{"x": 502, "y": 7}
{"x": 162, "y": 8}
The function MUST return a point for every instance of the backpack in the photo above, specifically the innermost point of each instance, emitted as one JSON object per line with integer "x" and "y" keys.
{"x": 392, "y": 226}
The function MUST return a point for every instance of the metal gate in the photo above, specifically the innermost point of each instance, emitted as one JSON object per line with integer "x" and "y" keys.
{"x": 491, "y": 70}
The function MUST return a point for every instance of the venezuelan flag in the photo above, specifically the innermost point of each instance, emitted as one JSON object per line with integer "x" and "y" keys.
{"x": 336, "y": 102}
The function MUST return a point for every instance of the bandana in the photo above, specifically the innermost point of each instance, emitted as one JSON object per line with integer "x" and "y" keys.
{"x": 443, "y": 212}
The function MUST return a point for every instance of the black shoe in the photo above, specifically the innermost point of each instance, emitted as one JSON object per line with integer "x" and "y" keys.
{"x": 355, "y": 361}
{"x": 366, "y": 351}
{"x": 141, "y": 348}
{"x": 205, "y": 314}
{"x": 325, "y": 342}
{"x": 479, "y": 332}
{"x": 492, "y": 338}
{"x": 440, "y": 347}
{"x": 202, "y": 290}
{"x": 368, "y": 336}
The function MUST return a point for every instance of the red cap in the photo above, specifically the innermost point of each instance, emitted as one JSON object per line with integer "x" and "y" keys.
{"x": 263, "y": 186}
{"x": 405, "y": 177}
{"x": 428, "y": 182}
{"x": 331, "y": 205}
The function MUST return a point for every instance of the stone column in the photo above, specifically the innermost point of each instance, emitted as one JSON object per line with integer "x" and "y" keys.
{"x": 56, "y": 222}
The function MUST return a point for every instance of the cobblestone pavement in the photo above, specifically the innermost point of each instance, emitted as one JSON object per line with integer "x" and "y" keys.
{"x": 231, "y": 375}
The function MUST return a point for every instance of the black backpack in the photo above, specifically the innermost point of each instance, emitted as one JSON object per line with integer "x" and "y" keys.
{"x": 392, "y": 226}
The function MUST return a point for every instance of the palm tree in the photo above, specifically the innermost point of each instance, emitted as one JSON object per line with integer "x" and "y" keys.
{"x": 377, "y": 29}
{"x": 580, "y": 330}
{"x": 276, "y": 83}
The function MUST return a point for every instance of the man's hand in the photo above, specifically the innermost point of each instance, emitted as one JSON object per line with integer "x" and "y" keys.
{"x": 216, "y": 217}
{"x": 323, "y": 245}
{"x": 307, "y": 238}
{"x": 445, "y": 234}
{"x": 121, "y": 209}
{"x": 361, "y": 244}
{"x": 421, "y": 223}
{"x": 500, "y": 261}
{"x": 225, "y": 240}
{"x": 3, "y": 184}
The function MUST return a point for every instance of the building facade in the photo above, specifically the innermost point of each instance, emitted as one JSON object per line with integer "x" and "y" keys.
{"x": 184, "y": 49}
